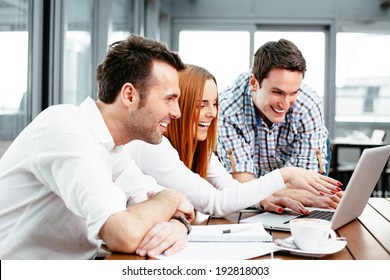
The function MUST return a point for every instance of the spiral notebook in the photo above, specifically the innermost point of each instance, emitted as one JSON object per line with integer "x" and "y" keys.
{"x": 253, "y": 232}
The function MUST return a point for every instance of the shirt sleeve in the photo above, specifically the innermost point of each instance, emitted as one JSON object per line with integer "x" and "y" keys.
{"x": 234, "y": 149}
{"x": 71, "y": 163}
{"x": 312, "y": 136}
{"x": 225, "y": 197}
{"x": 235, "y": 135}
{"x": 134, "y": 182}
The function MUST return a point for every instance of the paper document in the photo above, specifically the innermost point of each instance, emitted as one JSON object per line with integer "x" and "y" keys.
{"x": 222, "y": 251}
{"x": 254, "y": 232}
{"x": 225, "y": 242}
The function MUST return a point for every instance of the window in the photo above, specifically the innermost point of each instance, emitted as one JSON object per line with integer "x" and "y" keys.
{"x": 362, "y": 78}
{"x": 227, "y": 53}
{"x": 77, "y": 53}
{"x": 121, "y": 20}
{"x": 224, "y": 53}
{"x": 14, "y": 49}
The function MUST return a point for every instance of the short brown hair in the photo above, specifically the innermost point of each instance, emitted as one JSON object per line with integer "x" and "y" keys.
{"x": 130, "y": 61}
{"x": 282, "y": 54}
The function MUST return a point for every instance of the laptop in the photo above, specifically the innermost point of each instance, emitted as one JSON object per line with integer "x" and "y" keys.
{"x": 359, "y": 189}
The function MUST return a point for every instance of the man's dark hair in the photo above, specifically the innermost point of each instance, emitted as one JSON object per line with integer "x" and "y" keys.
{"x": 130, "y": 61}
{"x": 282, "y": 54}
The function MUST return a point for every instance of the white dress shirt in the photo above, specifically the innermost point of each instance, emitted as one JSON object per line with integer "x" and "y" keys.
{"x": 219, "y": 195}
{"x": 60, "y": 180}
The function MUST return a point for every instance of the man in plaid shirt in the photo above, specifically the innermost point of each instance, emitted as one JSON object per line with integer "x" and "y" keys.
{"x": 269, "y": 119}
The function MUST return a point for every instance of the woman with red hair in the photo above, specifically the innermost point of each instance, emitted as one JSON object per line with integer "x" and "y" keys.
{"x": 185, "y": 159}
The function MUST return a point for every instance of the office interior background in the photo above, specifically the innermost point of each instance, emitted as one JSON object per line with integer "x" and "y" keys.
{"x": 49, "y": 51}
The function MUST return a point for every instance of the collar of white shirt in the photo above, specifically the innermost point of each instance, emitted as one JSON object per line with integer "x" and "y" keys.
{"x": 98, "y": 125}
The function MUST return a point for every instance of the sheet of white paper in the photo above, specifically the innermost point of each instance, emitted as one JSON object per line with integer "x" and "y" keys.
{"x": 222, "y": 251}
{"x": 254, "y": 232}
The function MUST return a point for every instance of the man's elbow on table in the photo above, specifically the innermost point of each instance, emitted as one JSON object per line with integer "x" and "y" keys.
{"x": 122, "y": 234}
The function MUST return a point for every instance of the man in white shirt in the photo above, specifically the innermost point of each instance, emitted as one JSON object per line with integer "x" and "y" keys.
{"x": 66, "y": 185}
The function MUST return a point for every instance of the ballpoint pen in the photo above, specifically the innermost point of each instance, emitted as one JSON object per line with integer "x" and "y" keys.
{"x": 233, "y": 230}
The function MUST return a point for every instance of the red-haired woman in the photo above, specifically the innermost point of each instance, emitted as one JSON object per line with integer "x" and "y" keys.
{"x": 185, "y": 158}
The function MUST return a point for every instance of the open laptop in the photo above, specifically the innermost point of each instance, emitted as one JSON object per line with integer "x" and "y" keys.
{"x": 358, "y": 191}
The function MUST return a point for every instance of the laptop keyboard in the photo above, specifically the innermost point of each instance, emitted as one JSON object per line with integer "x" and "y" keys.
{"x": 316, "y": 214}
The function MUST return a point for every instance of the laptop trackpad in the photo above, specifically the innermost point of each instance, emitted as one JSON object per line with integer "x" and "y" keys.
{"x": 272, "y": 220}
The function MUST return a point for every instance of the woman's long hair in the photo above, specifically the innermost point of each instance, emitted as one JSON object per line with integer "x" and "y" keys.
{"x": 183, "y": 132}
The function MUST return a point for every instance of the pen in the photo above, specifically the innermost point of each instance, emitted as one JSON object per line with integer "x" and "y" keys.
{"x": 319, "y": 159}
{"x": 233, "y": 230}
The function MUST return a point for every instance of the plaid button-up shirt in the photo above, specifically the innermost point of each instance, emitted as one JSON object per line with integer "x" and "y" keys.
{"x": 246, "y": 141}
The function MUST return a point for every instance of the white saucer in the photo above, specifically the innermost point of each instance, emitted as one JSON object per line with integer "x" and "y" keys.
{"x": 338, "y": 245}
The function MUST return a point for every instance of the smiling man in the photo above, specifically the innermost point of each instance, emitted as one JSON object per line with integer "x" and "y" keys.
{"x": 269, "y": 119}
{"x": 66, "y": 184}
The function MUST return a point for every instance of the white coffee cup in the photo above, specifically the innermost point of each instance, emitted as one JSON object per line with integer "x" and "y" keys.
{"x": 311, "y": 234}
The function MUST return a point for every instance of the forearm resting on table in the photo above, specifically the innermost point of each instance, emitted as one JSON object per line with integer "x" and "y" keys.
{"x": 123, "y": 231}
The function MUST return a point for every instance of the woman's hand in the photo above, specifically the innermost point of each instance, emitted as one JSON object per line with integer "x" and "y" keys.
{"x": 311, "y": 200}
{"x": 326, "y": 201}
{"x": 299, "y": 178}
{"x": 277, "y": 205}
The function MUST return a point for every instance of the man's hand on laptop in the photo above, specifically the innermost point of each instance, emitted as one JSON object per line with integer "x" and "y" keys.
{"x": 299, "y": 178}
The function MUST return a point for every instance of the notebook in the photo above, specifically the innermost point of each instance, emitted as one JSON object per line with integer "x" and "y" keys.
{"x": 225, "y": 242}
{"x": 358, "y": 191}
{"x": 253, "y": 232}
{"x": 222, "y": 251}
